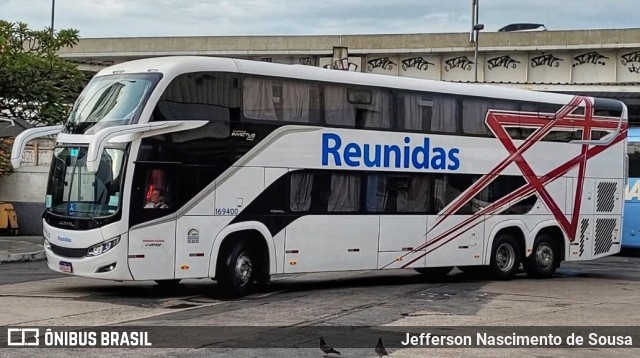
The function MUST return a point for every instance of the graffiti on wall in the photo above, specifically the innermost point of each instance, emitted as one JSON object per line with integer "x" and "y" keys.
{"x": 590, "y": 58}
{"x": 307, "y": 61}
{"x": 383, "y": 62}
{"x": 630, "y": 58}
{"x": 461, "y": 62}
{"x": 342, "y": 64}
{"x": 503, "y": 61}
{"x": 416, "y": 62}
{"x": 545, "y": 60}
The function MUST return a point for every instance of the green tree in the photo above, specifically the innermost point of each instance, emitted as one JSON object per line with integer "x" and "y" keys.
{"x": 36, "y": 85}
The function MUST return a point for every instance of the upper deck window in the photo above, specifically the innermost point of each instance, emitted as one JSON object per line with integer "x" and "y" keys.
{"x": 273, "y": 99}
{"x": 207, "y": 96}
{"x": 109, "y": 101}
{"x": 356, "y": 107}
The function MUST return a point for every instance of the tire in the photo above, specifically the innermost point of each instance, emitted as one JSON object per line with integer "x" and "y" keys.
{"x": 236, "y": 273}
{"x": 506, "y": 256}
{"x": 434, "y": 272}
{"x": 168, "y": 283}
{"x": 544, "y": 258}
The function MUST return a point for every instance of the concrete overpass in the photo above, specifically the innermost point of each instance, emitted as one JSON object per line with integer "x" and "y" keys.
{"x": 603, "y": 62}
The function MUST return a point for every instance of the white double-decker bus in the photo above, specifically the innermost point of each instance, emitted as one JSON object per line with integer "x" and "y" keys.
{"x": 197, "y": 167}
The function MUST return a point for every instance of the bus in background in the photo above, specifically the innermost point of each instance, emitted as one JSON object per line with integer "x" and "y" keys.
{"x": 197, "y": 167}
{"x": 631, "y": 222}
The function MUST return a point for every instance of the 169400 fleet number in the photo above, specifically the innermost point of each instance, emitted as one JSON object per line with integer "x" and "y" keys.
{"x": 226, "y": 211}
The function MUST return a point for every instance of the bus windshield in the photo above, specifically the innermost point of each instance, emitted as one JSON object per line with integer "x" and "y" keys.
{"x": 109, "y": 101}
{"x": 73, "y": 191}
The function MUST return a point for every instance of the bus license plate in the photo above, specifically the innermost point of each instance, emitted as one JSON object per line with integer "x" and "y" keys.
{"x": 66, "y": 267}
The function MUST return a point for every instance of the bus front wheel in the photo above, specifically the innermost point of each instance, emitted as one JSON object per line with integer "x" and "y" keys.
{"x": 236, "y": 273}
{"x": 505, "y": 257}
{"x": 544, "y": 260}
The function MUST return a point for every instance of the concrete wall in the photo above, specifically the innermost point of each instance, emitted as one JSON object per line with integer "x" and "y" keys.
{"x": 25, "y": 189}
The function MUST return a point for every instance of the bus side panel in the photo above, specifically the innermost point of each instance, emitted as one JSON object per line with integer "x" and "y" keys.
{"x": 332, "y": 243}
{"x": 152, "y": 251}
{"x": 194, "y": 242}
{"x": 606, "y": 235}
{"x": 239, "y": 190}
{"x": 463, "y": 246}
{"x": 400, "y": 236}
{"x": 609, "y": 194}
{"x": 581, "y": 248}
{"x": 581, "y": 245}
{"x": 631, "y": 223}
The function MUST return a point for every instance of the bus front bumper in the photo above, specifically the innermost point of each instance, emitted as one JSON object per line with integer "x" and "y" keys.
{"x": 110, "y": 265}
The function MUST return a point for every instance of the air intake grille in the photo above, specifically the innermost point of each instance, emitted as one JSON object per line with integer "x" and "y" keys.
{"x": 604, "y": 236}
{"x": 606, "y": 196}
{"x": 584, "y": 225}
{"x": 68, "y": 252}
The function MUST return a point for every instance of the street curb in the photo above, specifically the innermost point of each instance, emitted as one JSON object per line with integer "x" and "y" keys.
{"x": 23, "y": 257}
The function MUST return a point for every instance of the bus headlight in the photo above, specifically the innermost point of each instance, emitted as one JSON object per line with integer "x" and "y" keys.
{"x": 47, "y": 245}
{"x": 103, "y": 247}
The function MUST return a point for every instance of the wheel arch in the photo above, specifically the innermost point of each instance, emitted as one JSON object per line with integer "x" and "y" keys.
{"x": 551, "y": 228}
{"x": 254, "y": 231}
{"x": 514, "y": 227}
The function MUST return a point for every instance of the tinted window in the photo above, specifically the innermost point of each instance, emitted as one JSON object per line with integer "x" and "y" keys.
{"x": 634, "y": 161}
{"x": 415, "y": 111}
{"x": 388, "y": 193}
{"x": 273, "y": 99}
{"x": 199, "y": 96}
{"x": 474, "y": 113}
{"x": 321, "y": 192}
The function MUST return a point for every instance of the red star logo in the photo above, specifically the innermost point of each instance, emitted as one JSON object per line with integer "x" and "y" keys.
{"x": 498, "y": 121}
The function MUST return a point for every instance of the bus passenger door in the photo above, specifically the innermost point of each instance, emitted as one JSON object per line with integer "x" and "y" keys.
{"x": 152, "y": 234}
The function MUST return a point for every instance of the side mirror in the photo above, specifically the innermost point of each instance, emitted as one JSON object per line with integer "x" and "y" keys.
{"x": 29, "y": 134}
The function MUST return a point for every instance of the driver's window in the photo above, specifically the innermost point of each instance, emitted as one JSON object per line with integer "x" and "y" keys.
{"x": 157, "y": 190}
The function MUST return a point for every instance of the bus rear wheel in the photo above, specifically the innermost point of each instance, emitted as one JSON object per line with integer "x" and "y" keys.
{"x": 544, "y": 260}
{"x": 505, "y": 257}
{"x": 235, "y": 274}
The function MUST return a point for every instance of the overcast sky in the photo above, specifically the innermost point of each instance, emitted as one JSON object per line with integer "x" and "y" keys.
{"x": 128, "y": 18}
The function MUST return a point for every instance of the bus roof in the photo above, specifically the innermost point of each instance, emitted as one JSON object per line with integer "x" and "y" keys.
{"x": 171, "y": 66}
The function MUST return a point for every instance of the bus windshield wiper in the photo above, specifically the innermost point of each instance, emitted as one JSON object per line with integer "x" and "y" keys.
{"x": 90, "y": 216}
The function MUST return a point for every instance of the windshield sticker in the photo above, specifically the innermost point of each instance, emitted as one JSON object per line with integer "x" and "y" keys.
{"x": 74, "y": 152}
{"x": 72, "y": 208}
{"x": 114, "y": 200}
{"x": 47, "y": 201}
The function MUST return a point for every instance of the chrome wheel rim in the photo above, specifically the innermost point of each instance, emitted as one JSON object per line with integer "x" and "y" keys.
{"x": 505, "y": 257}
{"x": 243, "y": 270}
{"x": 544, "y": 256}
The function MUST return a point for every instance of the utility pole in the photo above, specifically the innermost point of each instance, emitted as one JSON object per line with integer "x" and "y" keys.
{"x": 53, "y": 11}
{"x": 474, "y": 35}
